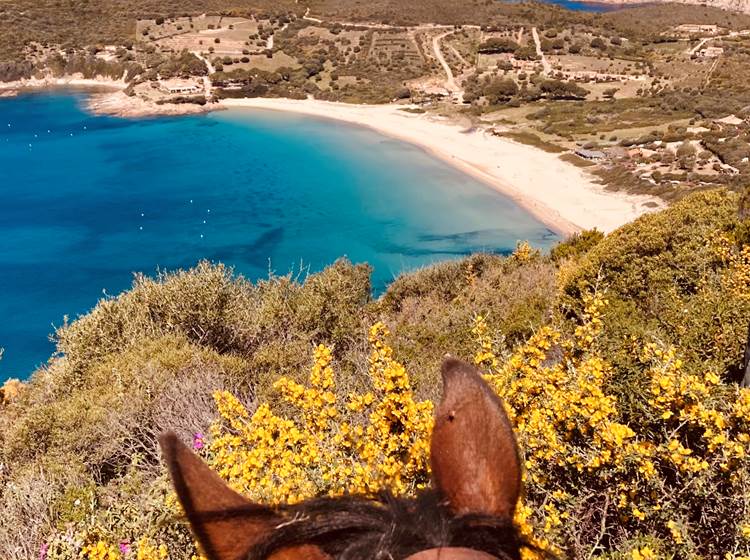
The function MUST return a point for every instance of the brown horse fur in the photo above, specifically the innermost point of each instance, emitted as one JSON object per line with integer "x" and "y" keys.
{"x": 468, "y": 515}
{"x": 479, "y": 473}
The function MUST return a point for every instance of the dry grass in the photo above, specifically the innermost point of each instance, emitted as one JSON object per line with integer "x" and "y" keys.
{"x": 531, "y": 139}
{"x": 577, "y": 160}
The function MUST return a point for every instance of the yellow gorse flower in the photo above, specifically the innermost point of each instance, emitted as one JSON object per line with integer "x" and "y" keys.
{"x": 574, "y": 431}
{"x": 736, "y": 274}
{"x": 100, "y": 551}
{"x": 146, "y": 550}
{"x": 374, "y": 440}
{"x": 644, "y": 553}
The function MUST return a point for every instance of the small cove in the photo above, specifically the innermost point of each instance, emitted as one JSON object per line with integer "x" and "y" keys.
{"x": 89, "y": 200}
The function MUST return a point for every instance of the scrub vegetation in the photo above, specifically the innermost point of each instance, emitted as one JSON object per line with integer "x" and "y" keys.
{"x": 618, "y": 356}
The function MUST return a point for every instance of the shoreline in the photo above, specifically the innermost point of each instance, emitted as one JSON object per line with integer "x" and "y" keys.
{"x": 11, "y": 89}
{"x": 106, "y": 97}
{"x": 565, "y": 198}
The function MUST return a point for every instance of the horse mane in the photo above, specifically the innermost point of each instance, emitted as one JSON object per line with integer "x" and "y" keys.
{"x": 388, "y": 527}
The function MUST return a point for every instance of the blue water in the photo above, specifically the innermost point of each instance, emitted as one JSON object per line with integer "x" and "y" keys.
{"x": 87, "y": 200}
{"x": 585, "y": 6}
{"x": 595, "y": 7}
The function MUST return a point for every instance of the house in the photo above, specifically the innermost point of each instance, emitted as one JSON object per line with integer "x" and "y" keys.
{"x": 691, "y": 28}
{"x": 710, "y": 52}
{"x": 590, "y": 154}
{"x": 182, "y": 87}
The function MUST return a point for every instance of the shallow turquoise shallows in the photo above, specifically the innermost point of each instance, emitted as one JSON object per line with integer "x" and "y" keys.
{"x": 86, "y": 201}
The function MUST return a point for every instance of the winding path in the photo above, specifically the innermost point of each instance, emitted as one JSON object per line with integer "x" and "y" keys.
{"x": 698, "y": 47}
{"x": 450, "y": 83}
{"x": 540, "y": 53}
{"x": 308, "y": 18}
{"x": 206, "y": 79}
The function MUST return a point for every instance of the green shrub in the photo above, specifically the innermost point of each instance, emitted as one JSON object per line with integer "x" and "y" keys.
{"x": 576, "y": 245}
{"x": 663, "y": 277}
{"x": 78, "y": 441}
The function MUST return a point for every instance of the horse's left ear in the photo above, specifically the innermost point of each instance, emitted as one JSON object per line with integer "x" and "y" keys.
{"x": 226, "y": 525}
{"x": 473, "y": 453}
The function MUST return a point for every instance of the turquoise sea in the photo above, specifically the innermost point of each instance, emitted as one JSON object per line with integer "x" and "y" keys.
{"x": 594, "y": 7}
{"x": 88, "y": 200}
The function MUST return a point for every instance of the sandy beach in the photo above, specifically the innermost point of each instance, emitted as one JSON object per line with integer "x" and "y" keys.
{"x": 560, "y": 194}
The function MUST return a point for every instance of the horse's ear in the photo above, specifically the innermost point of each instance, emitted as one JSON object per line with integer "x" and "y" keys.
{"x": 226, "y": 525}
{"x": 474, "y": 456}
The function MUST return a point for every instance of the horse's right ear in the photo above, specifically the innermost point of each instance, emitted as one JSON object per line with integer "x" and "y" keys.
{"x": 473, "y": 454}
{"x": 226, "y": 525}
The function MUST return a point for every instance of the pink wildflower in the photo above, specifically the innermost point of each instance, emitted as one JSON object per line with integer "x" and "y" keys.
{"x": 124, "y": 547}
{"x": 198, "y": 442}
{"x": 43, "y": 551}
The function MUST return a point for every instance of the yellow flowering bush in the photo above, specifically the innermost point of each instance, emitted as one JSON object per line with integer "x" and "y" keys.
{"x": 736, "y": 260}
{"x": 660, "y": 472}
{"x": 69, "y": 547}
{"x": 100, "y": 551}
{"x": 359, "y": 444}
{"x": 524, "y": 252}
{"x": 667, "y": 462}
{"x": 662, "y": 469}
{"x": 147, "y": 550}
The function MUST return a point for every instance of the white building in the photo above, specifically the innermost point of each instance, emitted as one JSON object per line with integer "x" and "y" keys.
{"x": 180, "y": 86}
{"x": 710, "y": 52}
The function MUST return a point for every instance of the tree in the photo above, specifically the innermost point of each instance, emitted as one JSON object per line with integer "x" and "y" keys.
{"x": 686, "y": 149}
{"x": 500, "y": 90}
{"x": 496, "y": 45}
{"x": 527, "y": 53}
{"x": 686, "y": 155}
{"x": 556, "y": 89}
{"x": 313, "y": 67}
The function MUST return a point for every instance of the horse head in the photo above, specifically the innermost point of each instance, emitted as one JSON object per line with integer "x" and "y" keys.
{"x": 476, "y": 481}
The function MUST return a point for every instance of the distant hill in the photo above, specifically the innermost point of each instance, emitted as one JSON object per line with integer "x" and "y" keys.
{"x": 742, "y": 6}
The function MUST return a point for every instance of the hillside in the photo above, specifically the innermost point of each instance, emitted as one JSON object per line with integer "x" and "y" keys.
{"x": 619, "y": 357}
{"x": 652, "y": 100}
